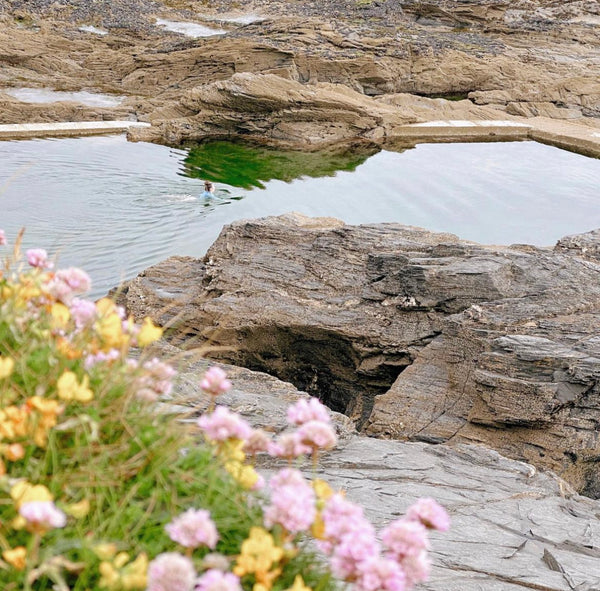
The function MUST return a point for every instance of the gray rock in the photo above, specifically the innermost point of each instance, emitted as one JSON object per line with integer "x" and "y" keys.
{"x": 413, "y": 334}
{"x": 512, "y": 526}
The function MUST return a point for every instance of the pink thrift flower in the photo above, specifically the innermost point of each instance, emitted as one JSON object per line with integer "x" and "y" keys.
{"x": 3, "y": 241}
{"x": 38, "y": 257}
{"x": 216, "y": 580}
{"x": 341, "y": 518}
{"x": 193, "y": 528}
{"x": 317, "y": 435}
{"x": 307, "y": 410}
{"x": 257, "y": 442}
{"x": 83, "y": 311}
{"x": 287, "y": 445}
{"x": 223, "y": 424}
{"x": 101, "y": 357}
{"x": 378, "y": 573}
{"x": 405, "y": 538}
{"x": 171, "y": 572}
{"x": 430, "y": 514}
{"x": 214, "y": 381}
{"x": 416, "y": 568}
{"x": 293, "y": 502}
{"x": 67, "y": 283}
{"x": 352, "y": 550}
{"x": 42, "y": 514}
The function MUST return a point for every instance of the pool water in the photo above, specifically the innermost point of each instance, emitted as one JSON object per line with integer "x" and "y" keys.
{"x": 48, "y": 95}
{"x": 115, "y": 208}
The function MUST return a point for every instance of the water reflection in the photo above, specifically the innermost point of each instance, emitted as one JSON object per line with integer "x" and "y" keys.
{"x": 115, "y": 208}
{"x": 248, "y": 167}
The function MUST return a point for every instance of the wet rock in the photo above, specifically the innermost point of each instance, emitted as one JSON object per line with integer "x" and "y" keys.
{"x": 512, "y": 526}
{"x": 413, "y": 334}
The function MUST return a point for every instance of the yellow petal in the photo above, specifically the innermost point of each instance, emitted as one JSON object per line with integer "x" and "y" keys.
{"x": 24, "y": 492}
{"x": 78, "y": 510}
{"x": 16, "y": 557}
{"x": 7, "y": 365}
{"x": 149, "y": 333}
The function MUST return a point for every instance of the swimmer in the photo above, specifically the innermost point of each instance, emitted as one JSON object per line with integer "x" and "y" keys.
{"x": 209, "y": 191}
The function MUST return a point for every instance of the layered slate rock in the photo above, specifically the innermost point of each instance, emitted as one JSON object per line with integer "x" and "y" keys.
{"x": 413, "y": 334}
{"x": 513, "y": 528}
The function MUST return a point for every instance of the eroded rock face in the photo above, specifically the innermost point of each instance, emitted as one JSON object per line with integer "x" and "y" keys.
{"x": 413, "y": 334}
{"x": 513, "y": 528}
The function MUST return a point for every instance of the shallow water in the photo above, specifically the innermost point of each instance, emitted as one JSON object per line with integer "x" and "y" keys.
{"x": 188, "y": 28}
{"x": 115, "y": 208}
{"x": 48, "y": 95}
{"x": 92, "y": 29}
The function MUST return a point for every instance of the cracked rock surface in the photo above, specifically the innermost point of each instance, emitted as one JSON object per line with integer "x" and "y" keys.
{"x": 413, "y": 334}
{"x": 513, "y": 527}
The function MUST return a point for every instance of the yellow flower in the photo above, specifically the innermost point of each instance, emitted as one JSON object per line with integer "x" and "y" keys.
{"x": 134, "y": 574}
{"x": 109, "y": 576}
{"x": 16, "y": 557}
{"x": 148, "y": 333}
{"x": 110, "y": 330}
{"x": 60, "y": 315}
{"x": 122, "y": 576}
{"x": 14, "y": 452}
{"x": 317, "y": 529}
{"x": 105, "y": 551}
{"x": 259, "y": 554}
{"x": 232, "y": 450}
{"x": 24, "y": 492}
{"x": 105, "y": 306}
{"x": 78, "y": 510}
{"x": 49, "y": 409}
{"x": 245, "y": 475}
{"x": 322, "y": 489}
{"x": 299, "y": 585}
{"x": 70, "y": 389}
{"x": 13, "y": 422}
{"x": 7, "y": 365}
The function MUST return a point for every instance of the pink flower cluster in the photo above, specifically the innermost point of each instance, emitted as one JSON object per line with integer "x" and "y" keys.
{"x": 222, "y": 424}
{"x": 193, "y": 528}
{"x": 357, "y": 556}
{"x": 42, "y": 515}
{"x": 314, "y": 430}
{"x": 155, "y": 381}
{"x": 171, "y": 572}
{"x": 83, "y": 312}
{"x": 38, "y": 257}
{"x": 216, "y": 580}
{"x": 67, "y": 283}
{"x": 293, "y": 502}
{"x": 3, "y": 241}
{"x": 214, "y": 381}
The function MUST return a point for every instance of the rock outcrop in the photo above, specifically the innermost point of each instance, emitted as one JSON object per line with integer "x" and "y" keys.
{"x": 513, "y": 528}
{"x": 517, "y": 59}
{"x": 413, "y": 334}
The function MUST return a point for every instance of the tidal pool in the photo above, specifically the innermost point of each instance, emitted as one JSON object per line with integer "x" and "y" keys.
{"x": 115, "y": 208}
{"x": 189, "y": 29}
{"x": 48, "y": 95}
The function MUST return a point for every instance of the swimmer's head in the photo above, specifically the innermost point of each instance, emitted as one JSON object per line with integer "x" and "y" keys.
{"x": 208, "y": 186}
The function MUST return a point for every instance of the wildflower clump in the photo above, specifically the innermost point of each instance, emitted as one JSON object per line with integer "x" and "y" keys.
{"x": 101, "y": 490}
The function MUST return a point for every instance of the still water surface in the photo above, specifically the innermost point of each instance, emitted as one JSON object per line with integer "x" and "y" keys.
{"x": 115, "y": 208}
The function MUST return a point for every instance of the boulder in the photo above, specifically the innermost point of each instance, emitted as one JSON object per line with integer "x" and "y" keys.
{"x": 413, "y": 334}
